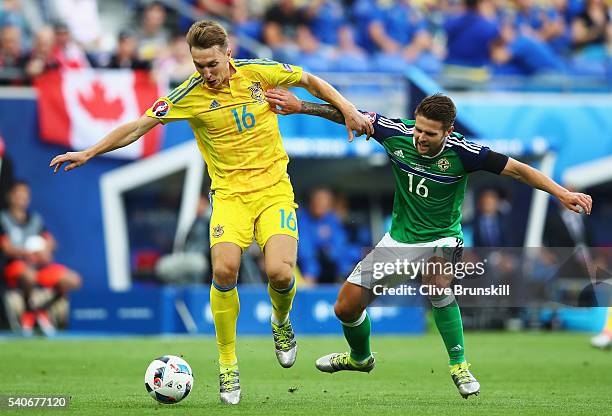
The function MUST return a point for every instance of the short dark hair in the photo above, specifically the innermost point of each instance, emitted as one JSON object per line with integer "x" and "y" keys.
{"x": 126, "y": 34}
{"x": 60, "y": 26}
{"x": 206, "y": 34}
{"x": 471, "y": 4}
{"x": 18, "y": 182}
{"x": 438, "y": 107}
{"x": 489, "y": 189}
{"x": 14, "y": 185}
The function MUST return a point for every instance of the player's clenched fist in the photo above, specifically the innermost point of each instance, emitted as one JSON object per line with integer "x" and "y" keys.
{"x": 74, "y": 160}
{"x": 357, "y": 122}
{"x": 577, "y": 202}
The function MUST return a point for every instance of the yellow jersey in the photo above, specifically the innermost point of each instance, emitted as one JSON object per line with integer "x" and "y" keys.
{"x": 234, "y": 127}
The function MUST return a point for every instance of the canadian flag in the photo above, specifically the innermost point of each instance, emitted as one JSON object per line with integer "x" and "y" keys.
{"x": 77, "y": 108}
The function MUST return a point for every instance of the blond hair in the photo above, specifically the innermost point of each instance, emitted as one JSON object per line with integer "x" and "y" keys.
{"x": 206, "y": 34}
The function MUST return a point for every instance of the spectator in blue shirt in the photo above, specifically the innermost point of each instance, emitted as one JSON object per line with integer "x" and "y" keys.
{"x": 542, "y": 23}
{"x": 365, "y": 12}
{"x": 471, "y": 34}
{"x": 405, "y": 28}
{"x": 348, "y": 57}
{"x": 398, "y": 30}
{"x": 517, "y": 54}
{"x": 327, "y": 17}
{"x": 322, "y": 254}
{"x": 358, "y": 234}
{"x": 312, "y": 56}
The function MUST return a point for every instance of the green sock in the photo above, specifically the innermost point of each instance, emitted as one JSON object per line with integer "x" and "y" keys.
{"x": 357, "y": 335}
{"x": 450, "y": 326}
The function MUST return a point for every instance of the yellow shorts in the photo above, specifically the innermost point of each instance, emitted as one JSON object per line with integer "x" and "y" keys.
{"x": 239, "y": 218}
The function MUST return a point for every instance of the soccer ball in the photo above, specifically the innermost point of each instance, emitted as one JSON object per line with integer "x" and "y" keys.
{"x": 168, "y": 379}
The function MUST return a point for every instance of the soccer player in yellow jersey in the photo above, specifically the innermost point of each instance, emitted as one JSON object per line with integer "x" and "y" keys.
{"x": 237, "y": 133}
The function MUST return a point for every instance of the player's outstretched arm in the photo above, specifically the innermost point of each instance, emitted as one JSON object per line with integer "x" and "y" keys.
{"x": 120, "y": 137}
{"x": 285, "y": 103}
{"x": 354, "y": 120}
{"x": 575, "y": 201}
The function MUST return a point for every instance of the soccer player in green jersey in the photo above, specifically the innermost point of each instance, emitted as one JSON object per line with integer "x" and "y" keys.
{"x": 430, "y": 164}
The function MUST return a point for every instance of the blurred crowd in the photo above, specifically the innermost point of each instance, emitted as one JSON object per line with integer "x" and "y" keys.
{"x": 333, "y": 239}
{"x": 336, "y": 233}
{"x": 517, "y": 37}
{"x": 40, "y": 35}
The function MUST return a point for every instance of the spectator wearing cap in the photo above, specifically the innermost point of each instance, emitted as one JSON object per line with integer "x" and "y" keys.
{"x": 126, "y": 56}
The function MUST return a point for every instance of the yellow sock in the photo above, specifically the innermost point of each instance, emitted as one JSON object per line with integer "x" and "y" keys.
{"x": 225, "y": 307}
{"x": 281, "y": 302}
{"x": 608, "y": 326}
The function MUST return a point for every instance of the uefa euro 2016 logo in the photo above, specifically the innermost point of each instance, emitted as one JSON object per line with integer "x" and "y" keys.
{"x": 160, "y": 108}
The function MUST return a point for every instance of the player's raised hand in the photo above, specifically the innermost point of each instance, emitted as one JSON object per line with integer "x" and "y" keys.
{"x": 283, "y": 102}
{"x": 74, "y": 160}
{"x": 358, "y": 122}
{"x": 577, "y": 202}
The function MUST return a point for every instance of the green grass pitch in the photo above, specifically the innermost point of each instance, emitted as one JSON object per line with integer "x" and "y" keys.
{"x": 529, "y": 373}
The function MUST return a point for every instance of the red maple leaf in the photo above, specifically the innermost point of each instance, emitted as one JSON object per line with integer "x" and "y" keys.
{"x": 99, "y": 106}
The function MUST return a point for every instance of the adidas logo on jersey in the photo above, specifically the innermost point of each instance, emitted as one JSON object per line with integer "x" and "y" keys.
{"x": 457, "y": 348}
{"x": 214, "y": 104}
{"x": 398, "y": 153}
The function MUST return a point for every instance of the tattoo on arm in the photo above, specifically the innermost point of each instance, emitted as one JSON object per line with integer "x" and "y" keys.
{"x": 327, "y": 111}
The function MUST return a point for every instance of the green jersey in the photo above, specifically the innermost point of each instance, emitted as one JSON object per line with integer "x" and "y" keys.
{"x": 429, "y": 190}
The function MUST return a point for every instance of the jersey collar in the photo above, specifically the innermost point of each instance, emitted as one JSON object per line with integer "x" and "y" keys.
{"x": 236, "y": 74}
